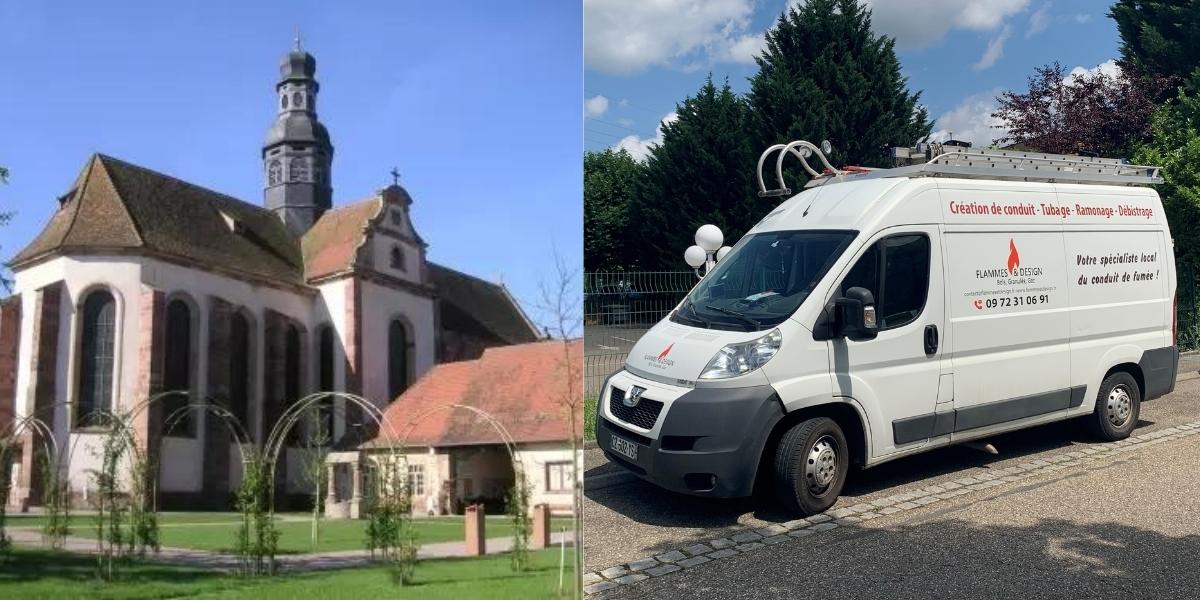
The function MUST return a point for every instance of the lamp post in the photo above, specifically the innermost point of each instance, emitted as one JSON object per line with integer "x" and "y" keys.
{"x": 707, "y": 251}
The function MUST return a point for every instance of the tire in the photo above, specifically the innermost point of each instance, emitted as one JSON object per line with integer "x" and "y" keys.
{"x": 1118, "y": 404}
{"x": 811, "y": 462}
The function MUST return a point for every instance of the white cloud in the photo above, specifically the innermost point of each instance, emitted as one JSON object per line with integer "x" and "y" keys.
{"x": 1039, "y": 20}
{"x": 595, "y": 106}
{"x": 916, "y": 24}
{"x": 639, "y": 147}
{"x": 993, "y": 52}
{"x": 625, "y": 122}
{"x": 1081, "y": 18}
{"x": 971, "y": 120}
{"x": 744, "y": 49}
{"x": 629, "y": 36}
{"x": 1108, "y": 67}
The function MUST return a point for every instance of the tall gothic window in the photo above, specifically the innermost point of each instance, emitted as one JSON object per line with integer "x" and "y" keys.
{"x": 397, "y": 258}
{"x": 291, "y": 374}
{"x": 177, "y": 367}
{"x": 398, "y": 357}
{"x": 274, "y": 172}
{"x": 326, "y": 360}
{"x": 285, "y": 103}
{"x": 239, "y": 369}
{"x": 96, "y": 356}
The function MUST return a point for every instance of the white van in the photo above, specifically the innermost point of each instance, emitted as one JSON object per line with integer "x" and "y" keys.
{"x": 884, "y": 313}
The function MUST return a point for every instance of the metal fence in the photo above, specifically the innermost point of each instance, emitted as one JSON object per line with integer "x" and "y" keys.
{"x": 618, "y": 307}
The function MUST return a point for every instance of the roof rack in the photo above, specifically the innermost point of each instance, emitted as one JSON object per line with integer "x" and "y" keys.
{"x": 944, "y": 160}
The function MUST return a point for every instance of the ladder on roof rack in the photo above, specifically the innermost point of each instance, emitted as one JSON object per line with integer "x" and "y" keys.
{"x": 958, "y": 161}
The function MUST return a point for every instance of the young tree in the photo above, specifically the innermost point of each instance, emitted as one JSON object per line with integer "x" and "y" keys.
{"x": 608, "y": 185}
{"x": 702, "y": 172}
{"x": 825, "y": 76}
{"x": 1158, "y": 39}
{"x": 1090, "y": 113}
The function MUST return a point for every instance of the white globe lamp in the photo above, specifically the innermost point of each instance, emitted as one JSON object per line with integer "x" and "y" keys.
{"x": 709, "y": 238}
{"x": 695, "y": 256}
{"x": 722, "y": 252}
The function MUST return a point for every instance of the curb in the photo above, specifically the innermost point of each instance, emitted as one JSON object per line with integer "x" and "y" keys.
{"x": 749, "y": 539}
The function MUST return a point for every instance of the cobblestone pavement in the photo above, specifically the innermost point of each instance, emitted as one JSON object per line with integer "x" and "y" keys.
{"x": 640, "y": 540}
{"x": 288, "y": 562}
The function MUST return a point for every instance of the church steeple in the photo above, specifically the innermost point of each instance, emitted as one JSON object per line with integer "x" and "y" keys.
{"x": 297, "y": 153}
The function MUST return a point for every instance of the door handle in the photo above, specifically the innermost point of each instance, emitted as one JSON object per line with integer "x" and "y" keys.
{"x": 931, "y": 340}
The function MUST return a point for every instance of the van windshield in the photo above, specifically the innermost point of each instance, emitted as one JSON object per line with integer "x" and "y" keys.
{"x": 763, "y": 280}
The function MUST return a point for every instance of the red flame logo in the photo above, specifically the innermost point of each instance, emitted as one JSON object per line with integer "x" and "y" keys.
{"x": 666, "y": 352}
{"x": 1014, "y": 259}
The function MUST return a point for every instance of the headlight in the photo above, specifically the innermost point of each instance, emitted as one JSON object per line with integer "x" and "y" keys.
{"x": 739, "y": 359}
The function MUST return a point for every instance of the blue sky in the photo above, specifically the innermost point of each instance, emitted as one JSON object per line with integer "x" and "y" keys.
{"x": 643, "y": 56}
{"x": 476, "y": 103}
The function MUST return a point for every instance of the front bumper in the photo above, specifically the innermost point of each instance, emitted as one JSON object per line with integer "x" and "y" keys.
{"x": 709, "y": 440}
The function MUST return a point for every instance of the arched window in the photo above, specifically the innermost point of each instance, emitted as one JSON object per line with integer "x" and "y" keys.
{"x": 397, "y": 258}
{"x": 398, "y": 351}
{"x": 291, "y": 374}
{"x": 285, "y": 102}
{"x": 96, "y": 356}
{"x": 239, "y": 368}
{"x": 177, "y": 366}
{"x": 274, "y": 172}
{"x": 297, "y": 99}
{"x": 326, "y": 363}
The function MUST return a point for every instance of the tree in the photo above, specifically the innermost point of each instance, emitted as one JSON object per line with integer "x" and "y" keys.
{"x": 1158, "y": 39}
{"x": 1175, "y": 146}
{"x": 608, "y": 184}
{"x": 702, "y": 172}
{"x": 1090, "y": 113}
{"x": 825, "y": 76}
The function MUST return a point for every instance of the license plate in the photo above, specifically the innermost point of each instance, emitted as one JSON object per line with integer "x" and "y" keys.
{"x": 625, "y": 448}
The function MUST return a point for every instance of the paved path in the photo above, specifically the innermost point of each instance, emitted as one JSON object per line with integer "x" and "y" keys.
{"x": 1108, "y": 519}
{"x": 289, "y": 562}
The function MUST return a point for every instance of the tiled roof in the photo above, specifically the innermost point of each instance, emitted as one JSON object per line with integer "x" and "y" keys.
{"x": 115, "y": 205}
{"x": 524, "y": 387}
{"x": 331, "y": 245}
{"x": 467, "y": 298}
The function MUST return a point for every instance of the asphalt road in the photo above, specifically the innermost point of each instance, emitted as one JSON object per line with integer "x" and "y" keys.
{"x": 1129, "y": 529}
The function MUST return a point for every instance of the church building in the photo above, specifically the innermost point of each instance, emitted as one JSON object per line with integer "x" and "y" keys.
{"x": 142, "y": 283}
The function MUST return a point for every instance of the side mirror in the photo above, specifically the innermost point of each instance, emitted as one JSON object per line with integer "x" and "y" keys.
{"x": 856, "y": 318}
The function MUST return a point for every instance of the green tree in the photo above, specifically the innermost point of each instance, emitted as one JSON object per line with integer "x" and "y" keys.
{"x": 702, "y": 172}
{"x": 609, "y": 178}
{"x": 1175, "y": 146}
{"x": 825, "y": 76}
{"x": 1158, "y": 38}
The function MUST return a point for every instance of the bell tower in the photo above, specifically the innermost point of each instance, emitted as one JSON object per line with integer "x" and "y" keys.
{"x": 297, "y": 154}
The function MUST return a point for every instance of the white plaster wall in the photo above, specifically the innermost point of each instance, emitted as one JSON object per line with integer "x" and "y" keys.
{"x": 533, "y": 459}
{"x": 80, "y": 275}
{"x": 379, "y": 305}
{"x": 382, "y": 249}
{"x": 331, "y": 309}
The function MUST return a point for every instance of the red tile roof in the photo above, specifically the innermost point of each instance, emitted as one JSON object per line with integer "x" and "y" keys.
{"x": 523, "y": 387}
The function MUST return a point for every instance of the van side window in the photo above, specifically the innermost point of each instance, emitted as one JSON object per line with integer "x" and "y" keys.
{"x": 896, "y": 271}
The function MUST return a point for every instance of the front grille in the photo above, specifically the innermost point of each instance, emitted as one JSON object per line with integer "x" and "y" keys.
{"x": 644, "y": 415}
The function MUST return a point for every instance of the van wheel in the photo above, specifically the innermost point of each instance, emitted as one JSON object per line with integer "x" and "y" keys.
{"x": 811, "y": 462}
{"x": 1117, "y": 407}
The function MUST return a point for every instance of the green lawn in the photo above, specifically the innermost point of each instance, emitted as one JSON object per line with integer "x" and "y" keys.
{"x": 216, "y": 531}
{"x": 589, "y": 418}
{"x": 35, "y": 574}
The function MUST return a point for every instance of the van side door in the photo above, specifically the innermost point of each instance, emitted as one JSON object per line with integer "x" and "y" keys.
{"x": 895, "y": 376}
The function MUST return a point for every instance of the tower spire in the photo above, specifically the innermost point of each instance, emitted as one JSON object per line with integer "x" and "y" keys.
{"x": 297, "y": 154}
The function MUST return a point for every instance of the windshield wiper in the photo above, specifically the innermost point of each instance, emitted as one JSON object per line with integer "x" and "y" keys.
{"x": 734, "y": 313}
{"x": 696, "y": 316}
